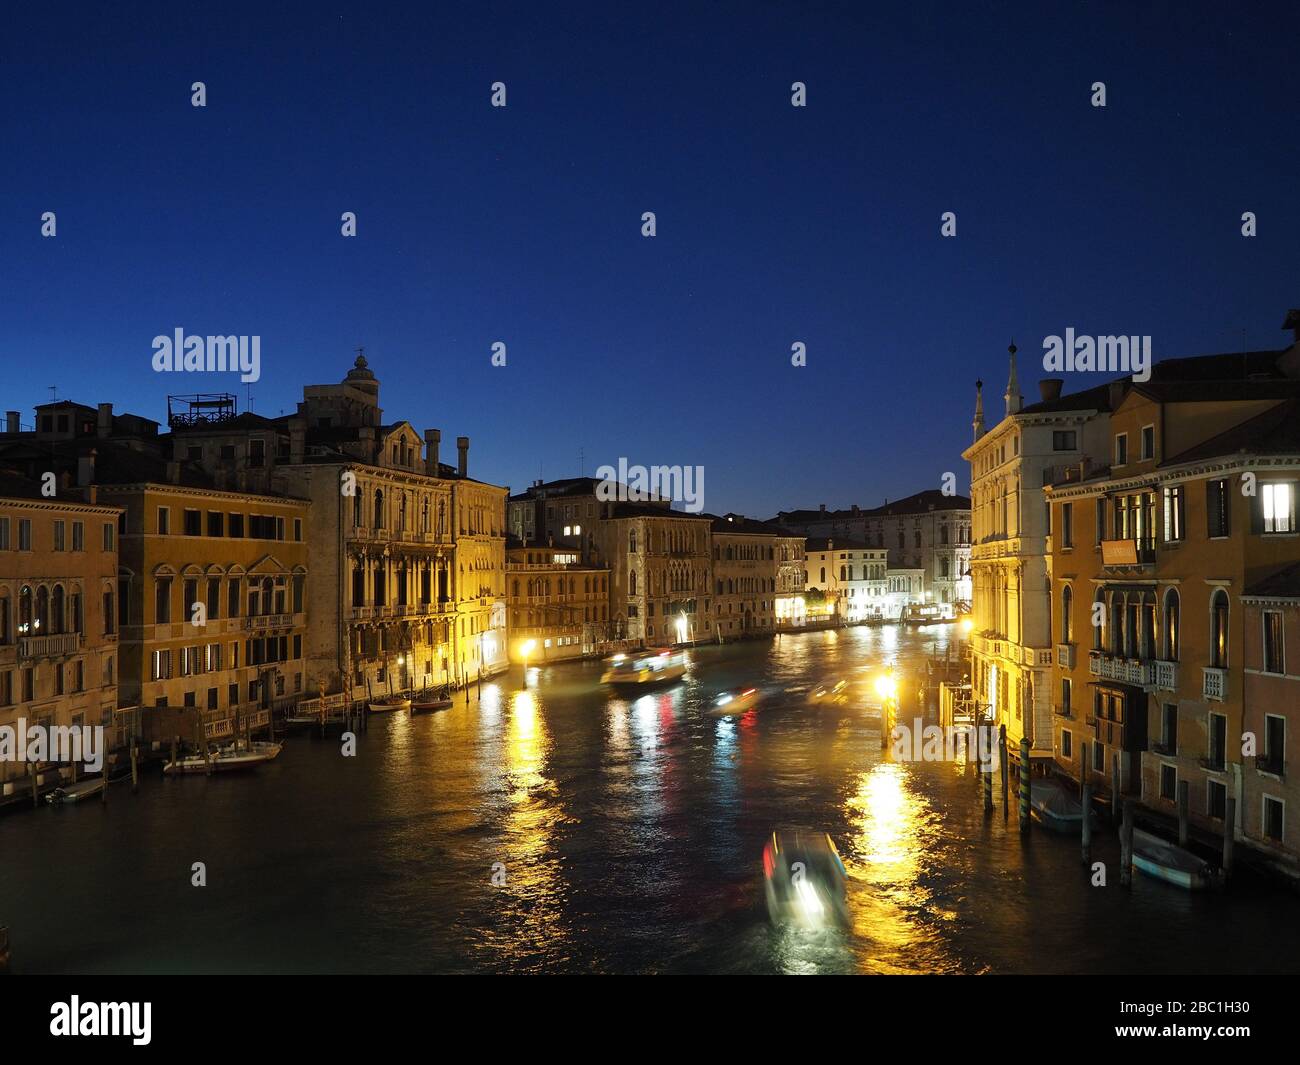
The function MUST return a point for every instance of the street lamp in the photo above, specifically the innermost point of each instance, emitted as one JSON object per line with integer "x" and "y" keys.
{"x": 527, "y": 648}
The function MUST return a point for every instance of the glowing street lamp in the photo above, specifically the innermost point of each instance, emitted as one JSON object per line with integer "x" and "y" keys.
{"x": 527, "y": 648}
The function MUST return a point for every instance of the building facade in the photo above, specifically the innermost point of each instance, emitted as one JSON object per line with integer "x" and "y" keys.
{"x": 1270, "y": 808}
{"x": 409, "y": 551}
{"x": 58, "y": 620}
{"x": 929, "y": 531}
{"x": 1011, "y": 649}
{"x": 558, "y": 606}
{"x": 851, "y": 578}
{"x": 1196, "y": 507}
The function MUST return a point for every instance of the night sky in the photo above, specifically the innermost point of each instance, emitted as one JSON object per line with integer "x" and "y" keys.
{"x": 776, "y": 224}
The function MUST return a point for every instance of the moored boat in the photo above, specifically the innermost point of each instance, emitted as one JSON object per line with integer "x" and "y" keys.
{"x": 70, "y": 793}
{"x": 426, "y": 702}
{"x": 1162, "y": 860}
{"x": 1055, "y": 806}
{"x": 227, "y": 759}
{"x": 643, "y": 668}
{"x": 389, "y": 703}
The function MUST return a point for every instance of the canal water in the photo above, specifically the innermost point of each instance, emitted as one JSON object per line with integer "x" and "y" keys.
{"x": 563, "y": 829}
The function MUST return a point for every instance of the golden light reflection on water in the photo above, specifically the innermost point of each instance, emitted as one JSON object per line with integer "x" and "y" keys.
{"x": 893, "y": 830}
{"x": 534, "y": 880}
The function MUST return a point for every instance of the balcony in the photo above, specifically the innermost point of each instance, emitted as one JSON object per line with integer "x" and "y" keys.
{"x": 1125, "y": 670}
{"x": 1065, "y": 655}
{"x": 1215, "y": 683}
{"x": 1270, "y": 764}
{"x": 52, "y": 646}
{"x": 268, "y": 621}
{"x": 1165, "y": 676}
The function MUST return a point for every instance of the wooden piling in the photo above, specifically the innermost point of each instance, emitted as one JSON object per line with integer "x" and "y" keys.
{"x": 1229, "y": 833}
{"x": 1024, "y": 784}
{"x": 1184, "y": 814}
{"x": 1114, "y": 789}
{"x": 1003, "y": 762}
{"x": 1087, "y": 824}
{"x": 986, "y": 770}
{"x": 1126, "y": 846}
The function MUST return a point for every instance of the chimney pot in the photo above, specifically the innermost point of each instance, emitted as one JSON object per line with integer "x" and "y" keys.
{"x": 1049, "y": 388}
{"x": 1116, "y": 393}
{"x": 462, "y": 460}
{"x": 86, "y": 468}
{"x": 432, "y": 442}
{"x": 104, "y": 423}
{"x": 13, "y": 421}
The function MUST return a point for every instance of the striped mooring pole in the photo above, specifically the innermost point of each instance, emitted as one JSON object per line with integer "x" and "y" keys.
{"x": 1024, "y": 784}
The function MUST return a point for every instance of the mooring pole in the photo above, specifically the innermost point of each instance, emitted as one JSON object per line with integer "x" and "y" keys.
{"x": 1184, "y": 814}
{"x": 1024, "y": 784}
{"x": 1126, "y": 846}
{"x": 1229, "y": 834}
{"x": 1002, "y": 766}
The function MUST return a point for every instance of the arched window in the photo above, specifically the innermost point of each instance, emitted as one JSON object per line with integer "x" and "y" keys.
{"x": 57, "y": 614}
{"x": 1219, "y": 629}
{"x": 1067, "y": 615}
{"x": 631, "y": 582}
{"x": 631, "y": 541}
{"x": 379, "y": 509}
{"x": 1099, "y": 634}
{"x": 1172, "y": 632}
{"x": 356, "y": 510}
{"x": 42, "y": 621}
{"x": 25, "y": 611}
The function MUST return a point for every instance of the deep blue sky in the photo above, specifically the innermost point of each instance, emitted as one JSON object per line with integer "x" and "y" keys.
{"x": 776, "y": 224}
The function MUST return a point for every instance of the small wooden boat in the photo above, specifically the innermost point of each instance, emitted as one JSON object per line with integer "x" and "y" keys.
{"x": 426, "y": 702}
{"x": 68, "y": 793}
{"x": 1167, "y": 861}
{"x": 225, "y": 759}
{"x": 389, "y": 703}
{"x": 1055, "y": 806}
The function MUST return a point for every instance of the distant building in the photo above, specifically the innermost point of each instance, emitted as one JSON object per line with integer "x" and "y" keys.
{"x": 928, "y": 531}
{"x": 852, "y": 578}
{"x": 751, "y": 562}
{"x": 558, "y": 606}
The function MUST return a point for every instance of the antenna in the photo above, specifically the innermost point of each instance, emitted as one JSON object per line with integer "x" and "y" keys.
{"x": 581, "y": 464}
{"x": 54, "y": 393}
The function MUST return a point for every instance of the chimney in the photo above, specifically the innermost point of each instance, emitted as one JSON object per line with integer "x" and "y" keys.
{"x": 823, "y": 508}
{"x": 86, "y": 466}
{"x": 1085, "y": 467}
{"x": 173, "y": 473}
{"x": 1117, "y": 391}
{"x": 104, "y": 427}
{"x": 12, "y": 421}
{"x": 855, "y": 508}
{"x": 1049, "y": 388}
{"x": 432, "y": 440}
{"x": 462, "y": 459}
{"x": 297, "y": 439}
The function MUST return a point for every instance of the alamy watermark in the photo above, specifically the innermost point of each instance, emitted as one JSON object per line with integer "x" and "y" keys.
{"x": 53, "y": 743}
{"x": 639, "y": 484}
{"x": 211, "y": 354}
{"x": 945, "y": 743}
{"x": 1102, "y": 354}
